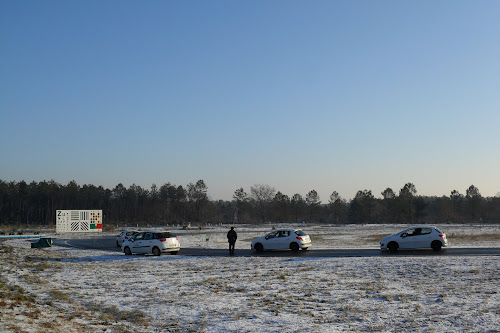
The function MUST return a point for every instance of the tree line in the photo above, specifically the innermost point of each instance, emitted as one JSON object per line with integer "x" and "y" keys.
{"x": 36, "y": 203}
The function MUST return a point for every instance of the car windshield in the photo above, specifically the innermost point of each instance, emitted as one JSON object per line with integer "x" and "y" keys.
{"x": 165, "y": 235}
{"x": 300, "y": 233}
{"x": 137, "y": 236}
{"x": 130, "y": 233}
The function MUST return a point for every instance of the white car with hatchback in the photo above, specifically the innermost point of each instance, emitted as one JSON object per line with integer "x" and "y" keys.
{"x": 282, "y": 239}
{"x": 152, "y": 242}
{"x": 416, "y": 237}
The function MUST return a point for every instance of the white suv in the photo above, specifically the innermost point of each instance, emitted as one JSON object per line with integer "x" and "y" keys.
{"x": 417, "y": 237}
{"x": 154, "y": 242}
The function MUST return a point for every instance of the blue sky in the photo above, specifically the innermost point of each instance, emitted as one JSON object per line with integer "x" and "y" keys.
{"x": 300, "y": 95}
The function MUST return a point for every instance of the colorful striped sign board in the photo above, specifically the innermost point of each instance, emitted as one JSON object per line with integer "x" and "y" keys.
{"x": 78, "y": 221}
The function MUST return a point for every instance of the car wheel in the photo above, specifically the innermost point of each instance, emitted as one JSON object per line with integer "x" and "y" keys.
{"x": 156, "y": 251}
{"x": 174, "y": 252}
{"x": 258, "y": 247}
{"x": 117, "y": 244}
{"x": 393, "y": 247}
{"x": 127, "y": 251}
{"x": 294, "y": 247}
{"x": 436, "y": 245}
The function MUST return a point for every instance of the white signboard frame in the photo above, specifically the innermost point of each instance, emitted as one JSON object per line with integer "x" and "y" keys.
{"x": 78, "y": 221}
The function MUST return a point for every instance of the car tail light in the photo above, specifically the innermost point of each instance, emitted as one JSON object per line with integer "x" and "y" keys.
{"x": 162, "y": 239}
{"x": 442, "y": 236}
{"x": 299, "y": 238}
{"x": 126, "y": 237}
{"x": 176, "y": 238}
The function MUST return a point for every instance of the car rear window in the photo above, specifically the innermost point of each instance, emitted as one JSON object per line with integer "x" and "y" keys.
{"x": 438, "y": 230}
{"x": 300, "y": 233}
{"x": 165, "y": 235}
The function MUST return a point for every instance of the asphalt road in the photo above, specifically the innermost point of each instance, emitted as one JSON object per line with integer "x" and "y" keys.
{"x": 108, "y": 243}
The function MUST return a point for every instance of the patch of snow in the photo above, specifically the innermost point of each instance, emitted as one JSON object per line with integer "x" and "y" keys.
{"x": 272, "y": 294}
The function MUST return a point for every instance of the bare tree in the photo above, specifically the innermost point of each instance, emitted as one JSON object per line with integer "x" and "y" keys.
{"x": 262, "y": 195}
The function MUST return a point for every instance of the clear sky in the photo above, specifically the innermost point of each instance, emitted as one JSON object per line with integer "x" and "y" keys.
{"x": 300, "y": 95}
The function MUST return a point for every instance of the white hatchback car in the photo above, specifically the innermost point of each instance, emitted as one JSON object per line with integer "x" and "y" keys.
{"x": 153, "y": 242}
{"x": 416, "y": 237}
{"x": 124, "y": 235}
{"x": 282, "y": 239}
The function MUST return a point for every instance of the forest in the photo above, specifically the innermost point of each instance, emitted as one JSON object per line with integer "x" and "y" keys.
{"x": 36, "y": 203}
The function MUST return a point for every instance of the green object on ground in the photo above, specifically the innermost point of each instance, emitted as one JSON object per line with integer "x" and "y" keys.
{"x": 42, "y": 242}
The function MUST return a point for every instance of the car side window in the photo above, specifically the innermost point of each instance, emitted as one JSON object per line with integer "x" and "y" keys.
{"x": 147, "y": 236}
{"x": 273, "y": 234}
{"x": 426, "y": 231}
{"x": 139, "y": 236}
{"x": 412, "y": 232}
{"x": 155, "y": 236}
{"x": 285, "y": 233}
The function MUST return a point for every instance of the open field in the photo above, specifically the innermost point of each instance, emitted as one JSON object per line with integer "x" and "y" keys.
{"x": 70, "y": 290}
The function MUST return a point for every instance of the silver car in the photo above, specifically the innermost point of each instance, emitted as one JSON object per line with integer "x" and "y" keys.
{"x": 416, "y": 237}
{"x": 152, "y": 242}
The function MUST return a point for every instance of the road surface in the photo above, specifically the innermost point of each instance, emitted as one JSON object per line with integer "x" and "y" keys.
{"x": 108, "y": 243}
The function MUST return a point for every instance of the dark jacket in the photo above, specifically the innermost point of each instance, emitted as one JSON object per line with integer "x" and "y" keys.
{"x": 231, "y": 236}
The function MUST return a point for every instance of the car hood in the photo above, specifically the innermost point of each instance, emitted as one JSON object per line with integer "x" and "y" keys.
{"x": 259, "y": 239}
{"x": 386, "y": 238}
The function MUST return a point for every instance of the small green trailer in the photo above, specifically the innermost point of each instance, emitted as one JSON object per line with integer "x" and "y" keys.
{"x": 42, "y": 242}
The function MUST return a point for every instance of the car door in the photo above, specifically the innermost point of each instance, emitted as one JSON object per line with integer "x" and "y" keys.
{"x": 422, "y": 238}
{"x": 147, "y": 243}
{"x": 272, "y": 241}
{"x": 405, "y": 239}
{"x": 284, "y": 239}
{"x": 137, "y": 244}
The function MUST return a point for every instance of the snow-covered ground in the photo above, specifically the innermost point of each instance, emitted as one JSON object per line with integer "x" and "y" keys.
{"x": 69, "y": 290}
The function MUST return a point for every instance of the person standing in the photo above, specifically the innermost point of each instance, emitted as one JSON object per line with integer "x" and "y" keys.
{"x": 231, "y": 238}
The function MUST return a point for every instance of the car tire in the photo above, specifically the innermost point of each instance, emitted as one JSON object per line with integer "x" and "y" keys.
{"x": 117, "y": 244}
{"x": 258, "y": 247}
{"x": 436, "y": 245}
{"x": 304, "y": 248}
{"x": 173, "y": 252}
{"x": 294, "y": 247}
{"x": 127, "y": 251}
{"x": 156, "y": 251}
{"x": 393, "y": 247}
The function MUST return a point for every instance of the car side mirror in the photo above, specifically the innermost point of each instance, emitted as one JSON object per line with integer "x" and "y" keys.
{"x": 267, "y": 237}
{"x": 403, "y": 235}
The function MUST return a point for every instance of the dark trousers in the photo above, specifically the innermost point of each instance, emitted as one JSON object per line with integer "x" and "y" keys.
{"x": 231, "y": 248}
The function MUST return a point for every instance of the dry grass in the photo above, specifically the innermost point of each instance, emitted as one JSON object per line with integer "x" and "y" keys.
{"x": 374, "y": 237}
{"x": 53, "y": 309}
{"x": 474, "y": 237}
